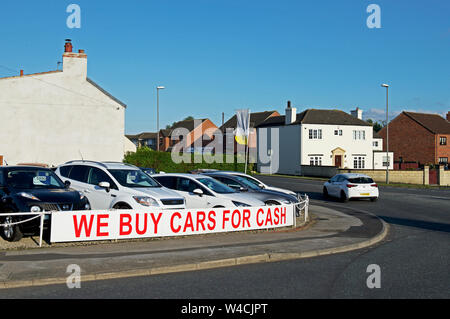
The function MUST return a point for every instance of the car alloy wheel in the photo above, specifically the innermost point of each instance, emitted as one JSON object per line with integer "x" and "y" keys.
{"x": 10, "y": 232}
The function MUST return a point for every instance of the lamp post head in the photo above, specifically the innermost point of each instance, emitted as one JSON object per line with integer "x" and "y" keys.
{"x": 160, "y": 87}
{"x": 384, "y": 85}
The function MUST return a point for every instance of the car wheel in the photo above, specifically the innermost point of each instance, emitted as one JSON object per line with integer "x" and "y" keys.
{"x": 10, "y": 233}
{"x": 343, "y": 197}
{"x": 272, "y": 203}
{"x": 122, "y": 206}
{"x": 325, "y": 192}
{"x": 374, "y": 199}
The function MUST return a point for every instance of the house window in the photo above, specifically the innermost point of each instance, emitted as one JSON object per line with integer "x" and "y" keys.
{"x": 315, "y": 161}
{"x": 359, "y": 135}
{"x": 315, "y": 134}
{"x": 443, "y": 160}
{"x": 443, "y": 140}
{"x": 375, "y": 144}
{"x": 338, "y": 132}
{"x": 359, "y": 162}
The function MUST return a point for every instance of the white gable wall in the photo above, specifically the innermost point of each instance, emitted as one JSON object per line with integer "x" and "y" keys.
{"x": 52, "y": 118}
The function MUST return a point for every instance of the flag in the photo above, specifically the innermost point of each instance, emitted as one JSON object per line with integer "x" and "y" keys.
{"x": 243, "y": 126}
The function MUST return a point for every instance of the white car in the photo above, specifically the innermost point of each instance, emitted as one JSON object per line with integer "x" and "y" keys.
{"x": 117, "y": 185}
{"x": 256, "y": 182}
{"x": 205, "y": 192}
{"x": 346, "y": 186}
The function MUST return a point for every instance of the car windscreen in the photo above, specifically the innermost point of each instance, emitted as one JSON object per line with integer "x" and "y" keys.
{"x": 247, "y": 183}
{"x": 252, "y": 181}
{"x": 133, "y": 178}
{"x": 361, "y": 180}
{"x": 33, "y": 179}
{"x": 216, "y": 186}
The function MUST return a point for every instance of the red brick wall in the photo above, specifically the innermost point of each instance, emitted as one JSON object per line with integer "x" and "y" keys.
{"x": 410, "y": 140}
{"x": 442, "y": 150}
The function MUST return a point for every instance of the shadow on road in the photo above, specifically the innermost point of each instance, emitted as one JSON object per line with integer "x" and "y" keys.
{"x": 417, "y": 224}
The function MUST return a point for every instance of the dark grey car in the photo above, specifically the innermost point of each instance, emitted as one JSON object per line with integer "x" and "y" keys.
{"x": 242, "y": 185}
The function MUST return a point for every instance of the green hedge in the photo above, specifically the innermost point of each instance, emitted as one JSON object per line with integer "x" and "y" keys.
{"x": 162, "y": 161}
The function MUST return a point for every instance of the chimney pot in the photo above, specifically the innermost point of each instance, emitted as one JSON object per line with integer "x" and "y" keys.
{"x": 289, "y": 104}
{"x": 80, "y": 51}
{"x": 448, "y": 116}
{"x": 68, "y": 46}
{"x": 21, "y": 72}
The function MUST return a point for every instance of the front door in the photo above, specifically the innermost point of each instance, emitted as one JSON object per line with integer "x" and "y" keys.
{"x": 337, "y": 160}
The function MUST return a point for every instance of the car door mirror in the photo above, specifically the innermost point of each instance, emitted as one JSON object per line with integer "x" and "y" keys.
{"x": 105, "y": 185}
{"x": 198, "y": 192}
{"x": 67, "y": 184}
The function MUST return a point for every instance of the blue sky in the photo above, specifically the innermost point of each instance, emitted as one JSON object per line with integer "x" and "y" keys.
{"x": 218, "y": 56}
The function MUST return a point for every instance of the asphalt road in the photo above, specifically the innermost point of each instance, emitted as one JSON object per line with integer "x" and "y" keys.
{"x": 414, "y": 260}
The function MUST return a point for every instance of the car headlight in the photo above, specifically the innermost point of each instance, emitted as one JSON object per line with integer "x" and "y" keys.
{"x": 146, "y": 201}
{"x": 29, "y": 196}
{"x": 35, "y": 209}
{"x": 239, "y": 204}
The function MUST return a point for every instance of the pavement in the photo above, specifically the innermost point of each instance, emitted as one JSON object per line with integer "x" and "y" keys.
{"x": 327, "y": 232}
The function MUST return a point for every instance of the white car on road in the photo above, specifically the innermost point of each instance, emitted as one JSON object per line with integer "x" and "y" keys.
{"x": 117, "y": 185}
{"x": 351, "y": 185}
{"x": 202, "y": 191}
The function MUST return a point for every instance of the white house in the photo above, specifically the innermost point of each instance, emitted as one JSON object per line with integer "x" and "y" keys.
{"x": 57, "y": 116}
{"x": 329, "y": 138}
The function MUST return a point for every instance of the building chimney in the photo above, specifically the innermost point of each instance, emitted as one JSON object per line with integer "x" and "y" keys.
{"x": 291, "y": 114}
{"x": 21, "y": 72}
{"x": 448, "y": 116}
{"x": 74, "y": 64}
{"x": 357, "y": 113}
{"x": 68, "y": 46}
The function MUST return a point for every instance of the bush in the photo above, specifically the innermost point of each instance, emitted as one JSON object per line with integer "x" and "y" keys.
{"x": 162, "y": 161}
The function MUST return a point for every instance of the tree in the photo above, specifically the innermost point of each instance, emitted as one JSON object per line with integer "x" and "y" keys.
{"x": 377, "y": 126}
{"x": 188, "y": 118}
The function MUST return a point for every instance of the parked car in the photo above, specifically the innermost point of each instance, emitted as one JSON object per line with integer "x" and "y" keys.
{"x": 256, "y": 182}
{"x": 117, "y": 185}
{"x": 148, "y": 170}
{"x": 351, "y": 185}
{"x": 202, "y": 191}
{"x": 33, "y": 189}
{"x": 241, "y": 184}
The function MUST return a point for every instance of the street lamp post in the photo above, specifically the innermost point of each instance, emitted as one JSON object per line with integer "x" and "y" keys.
{"x": 157, "y": 114}
{"x": 387, "y": 132}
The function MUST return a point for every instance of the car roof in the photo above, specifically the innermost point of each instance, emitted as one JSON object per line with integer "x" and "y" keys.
{"x": 105, "y": 165}
{"x": 24, "y": 166}
{"x": 193, "y": 176}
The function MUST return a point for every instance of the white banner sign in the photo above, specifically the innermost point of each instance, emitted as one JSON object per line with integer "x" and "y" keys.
{"x": 125, "y": 224}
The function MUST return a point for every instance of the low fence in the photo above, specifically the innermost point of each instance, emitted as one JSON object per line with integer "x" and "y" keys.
{"x": 412, "y": 176}
{"x": 92, "y": 225}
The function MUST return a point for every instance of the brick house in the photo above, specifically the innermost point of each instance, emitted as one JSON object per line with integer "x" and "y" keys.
{"x": 198, "y": 134}
{"x": 419, "y": 137}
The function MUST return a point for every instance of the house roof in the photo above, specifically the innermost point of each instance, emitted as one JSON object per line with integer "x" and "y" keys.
{"x": 433, "y": 122}
{"x": 256, "y": 119}
{"x": 315, "y": 116}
